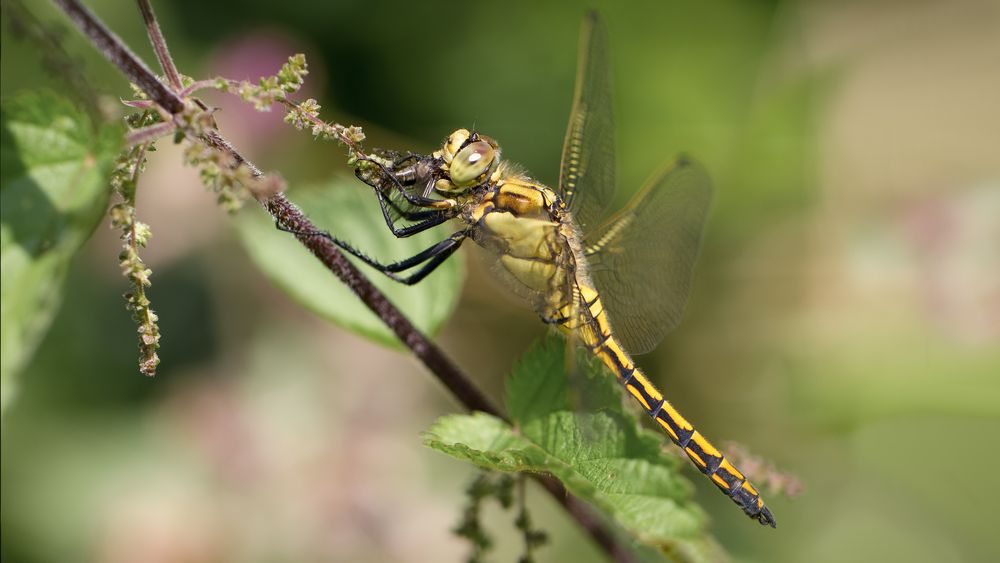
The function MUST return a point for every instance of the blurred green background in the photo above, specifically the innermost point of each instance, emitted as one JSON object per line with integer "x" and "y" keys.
{"x": 844, "y": 322}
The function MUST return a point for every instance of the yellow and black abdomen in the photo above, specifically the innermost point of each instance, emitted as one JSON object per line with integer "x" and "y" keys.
{"x": 592, "y": 327}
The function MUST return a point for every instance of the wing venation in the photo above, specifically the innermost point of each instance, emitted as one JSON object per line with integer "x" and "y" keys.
{"x": 642, "y": 259}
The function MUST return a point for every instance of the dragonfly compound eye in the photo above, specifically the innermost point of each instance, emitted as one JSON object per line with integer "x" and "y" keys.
{"x": 454, "y": 144}
{"x": 473, "y": 164}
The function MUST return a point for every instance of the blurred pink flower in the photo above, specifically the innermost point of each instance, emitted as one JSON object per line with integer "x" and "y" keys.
{"x": 956, "y": 246}
{"x": 249, "y": 57}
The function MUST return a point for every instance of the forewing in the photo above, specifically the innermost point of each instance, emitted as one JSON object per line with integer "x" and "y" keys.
{"x": 587, "y": 171}
{"x": 642, "y": 259}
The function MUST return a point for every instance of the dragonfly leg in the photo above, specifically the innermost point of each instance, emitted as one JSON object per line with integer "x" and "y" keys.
{"x": 428, "y": 202}
{"x": 426, "y": 219}
{"x": 555, "y": 320}
{"x": 417, "y": 200}
{"x": 385, "y": 203}
{"x": 436, "y": 219}
{"x": 430, "y": 257}
{"x": 402, "y": 159}
{"x": 408, "y": 214}
{"x": 450, "y": 246}
{"x": 400, "y": 182}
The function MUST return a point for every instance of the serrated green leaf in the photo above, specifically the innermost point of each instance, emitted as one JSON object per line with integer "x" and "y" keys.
{"x": 539, "y": 384}
{"x": 347, "y": 208}
{"x": 54, "y": 169}
{"x": 599, "y": 453}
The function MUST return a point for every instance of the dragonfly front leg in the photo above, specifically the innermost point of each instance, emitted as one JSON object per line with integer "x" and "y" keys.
{"x": 426, "y": 218}
{"x": 398, "y": 184}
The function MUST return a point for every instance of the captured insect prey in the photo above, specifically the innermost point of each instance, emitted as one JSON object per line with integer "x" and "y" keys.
{"x": 617, "y": 282}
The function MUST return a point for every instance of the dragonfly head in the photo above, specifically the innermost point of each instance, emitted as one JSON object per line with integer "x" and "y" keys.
{"x": 471, "y": 158}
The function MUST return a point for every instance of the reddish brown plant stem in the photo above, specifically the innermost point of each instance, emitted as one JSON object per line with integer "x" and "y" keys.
{"x": 160, "y": 45}
{"x": 112, "y": 47}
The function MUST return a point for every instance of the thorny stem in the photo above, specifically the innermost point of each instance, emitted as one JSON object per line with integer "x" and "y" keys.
{"x": 112, "y": 47}
{"x": 160, "y": 45}
{"x": 149, "y": 133}
{"x": 292, "y": 219}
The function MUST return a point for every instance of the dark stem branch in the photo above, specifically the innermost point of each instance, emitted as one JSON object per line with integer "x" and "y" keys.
{"x": 160, "y": 45}
{"x": 113, "y": 49}
{"x": 586, "y": 518}
{"x": 288, "y": 216}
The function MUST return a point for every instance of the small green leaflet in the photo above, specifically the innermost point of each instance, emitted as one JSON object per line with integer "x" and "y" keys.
{"x": 54, "y": 170}
{"x": 595, "y": 448}
{"x": 346, "y": 208}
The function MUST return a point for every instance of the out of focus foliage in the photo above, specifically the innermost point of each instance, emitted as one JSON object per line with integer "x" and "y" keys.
{"x": 53, "y": 190}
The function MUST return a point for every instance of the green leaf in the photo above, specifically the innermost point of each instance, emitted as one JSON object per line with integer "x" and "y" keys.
{"x": 347, "y": 209}
{"x": 54, "y": 169}
{"x": 597, "y": 450}
{"x": 539, "y": 384}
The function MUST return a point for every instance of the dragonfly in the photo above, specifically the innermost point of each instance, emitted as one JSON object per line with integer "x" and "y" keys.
{"x": 616, "y": 283}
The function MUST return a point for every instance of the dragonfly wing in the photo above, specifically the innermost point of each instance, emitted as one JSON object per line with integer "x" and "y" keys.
{"x": 642, "y": 259}
{"x": 587, "y": 172}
